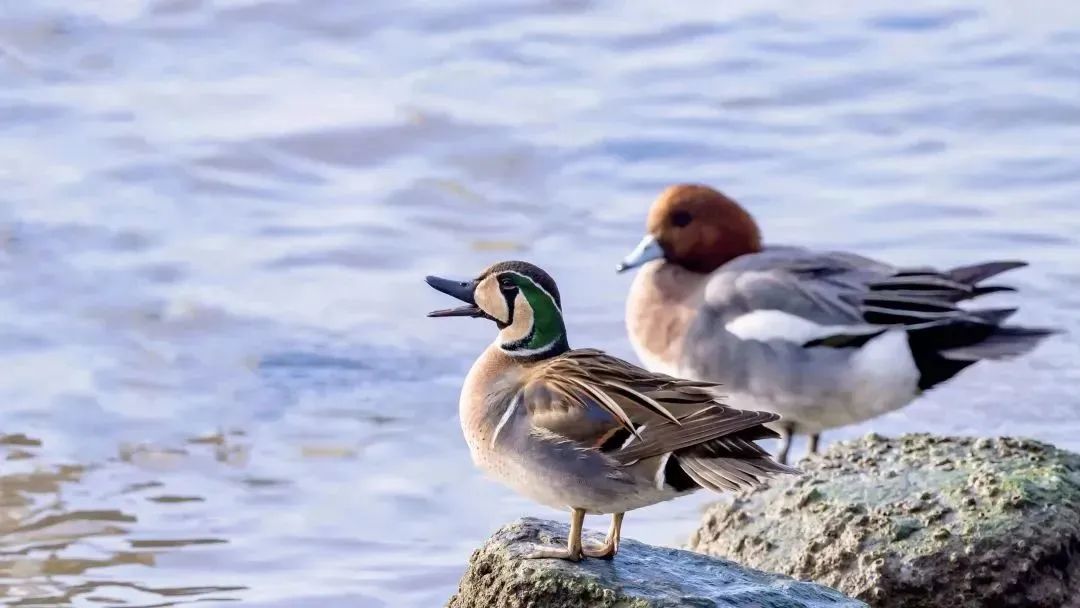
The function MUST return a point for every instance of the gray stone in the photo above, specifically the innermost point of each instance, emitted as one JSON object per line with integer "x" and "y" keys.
{"x": 640, "y": 576}
{"x": 917, "y": 521}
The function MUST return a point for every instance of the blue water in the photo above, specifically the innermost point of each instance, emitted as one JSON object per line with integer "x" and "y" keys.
{"x": 215, "y": 216}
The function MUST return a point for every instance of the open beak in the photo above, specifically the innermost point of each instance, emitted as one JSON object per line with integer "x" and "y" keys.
{"x": 462, "y": 290}
{"x": 646, "y": 251}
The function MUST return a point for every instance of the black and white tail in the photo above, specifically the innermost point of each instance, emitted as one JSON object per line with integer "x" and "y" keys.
{"x": 943, "y": 337}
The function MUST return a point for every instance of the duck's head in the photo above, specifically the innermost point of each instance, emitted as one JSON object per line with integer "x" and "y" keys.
{"x": 520, "y": 298}
{"x": 697, "y": 228}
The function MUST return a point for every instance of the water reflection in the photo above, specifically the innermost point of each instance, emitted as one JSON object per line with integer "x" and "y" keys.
{"x": 54, "y": 553}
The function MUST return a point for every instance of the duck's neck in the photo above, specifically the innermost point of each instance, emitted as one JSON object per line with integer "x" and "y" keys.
{"x": 540, "y": 341}
{"x": 536, "y": 330}
{"x": 663, "y": 300}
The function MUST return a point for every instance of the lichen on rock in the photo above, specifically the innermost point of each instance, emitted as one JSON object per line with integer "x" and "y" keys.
{"x": 640, "y": 576}
{"x": 917, "y": 521}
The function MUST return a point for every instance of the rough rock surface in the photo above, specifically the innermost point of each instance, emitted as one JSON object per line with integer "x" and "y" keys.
{"x": 917, "y": 521}
{"x": 640, "y": 576}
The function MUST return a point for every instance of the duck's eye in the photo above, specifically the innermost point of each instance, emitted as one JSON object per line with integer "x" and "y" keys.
{"x": 681, "y": 218}
{"x": 507, "y": 284}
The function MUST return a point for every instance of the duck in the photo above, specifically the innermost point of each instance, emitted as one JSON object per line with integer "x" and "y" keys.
{"x": 823, "y": 338}
{"x": 584, "y": 431}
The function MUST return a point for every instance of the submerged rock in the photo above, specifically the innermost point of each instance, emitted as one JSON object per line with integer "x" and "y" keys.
{"x": 917, "y": 521}
{"x": 640, "y": 576}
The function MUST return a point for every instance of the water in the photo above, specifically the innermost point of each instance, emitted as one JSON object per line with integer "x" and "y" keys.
{"x": 218, "y": 381}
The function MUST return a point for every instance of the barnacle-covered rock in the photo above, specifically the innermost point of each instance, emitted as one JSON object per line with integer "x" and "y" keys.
{"x": 640, "y": 576}
{"x": 917, "y": 521}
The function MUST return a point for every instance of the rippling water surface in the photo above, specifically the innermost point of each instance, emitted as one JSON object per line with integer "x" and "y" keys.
{"x": 218, "y": 382}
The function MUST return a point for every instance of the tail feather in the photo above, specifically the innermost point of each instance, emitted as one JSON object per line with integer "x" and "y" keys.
{"x": 734, "y": 462}
{"x": 719, "y": 474}
{"x": 943, "y": 350}
{"x": 982, "y": 290}
{"x": 1004, "y": 343}
{"x": 995, "y": 316}
{"x": 944, "y": 338}
{"x": 705, "y": 478}
{"x": 975, "y": 273}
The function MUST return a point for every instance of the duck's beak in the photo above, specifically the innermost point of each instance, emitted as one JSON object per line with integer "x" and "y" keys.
{"x": 646, "y": 251}
{"x": 462, "y": 290}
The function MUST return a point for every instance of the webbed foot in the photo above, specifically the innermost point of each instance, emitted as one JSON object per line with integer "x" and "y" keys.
{"x": 555, "y": 553}
{"x": 604, "y": 551}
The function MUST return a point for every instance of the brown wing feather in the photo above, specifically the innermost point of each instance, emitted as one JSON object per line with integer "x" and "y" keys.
{"x": 587, "y": 395}
{"x": 715, "y": 424}
{"x": 561, "y": 410}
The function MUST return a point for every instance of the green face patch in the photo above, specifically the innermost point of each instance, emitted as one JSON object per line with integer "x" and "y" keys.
{"x": 548, "y": 328}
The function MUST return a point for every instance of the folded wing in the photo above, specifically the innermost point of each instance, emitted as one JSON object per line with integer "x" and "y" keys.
{"x": 667, "y": 429}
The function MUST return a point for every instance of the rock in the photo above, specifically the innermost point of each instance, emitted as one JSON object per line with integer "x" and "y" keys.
{"x": 640, "y": 576}
{"x": 917, "y": 521}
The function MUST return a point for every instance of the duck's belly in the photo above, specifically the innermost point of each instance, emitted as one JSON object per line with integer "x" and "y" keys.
{"x": 558, "y": 475}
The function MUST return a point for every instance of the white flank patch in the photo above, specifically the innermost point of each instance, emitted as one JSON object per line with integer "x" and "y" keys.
{"x": 660, "y": 471}
{"x": 779, "y": 325}
{"x": 506, "y": 417}
{"x": 884, "y": 376}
